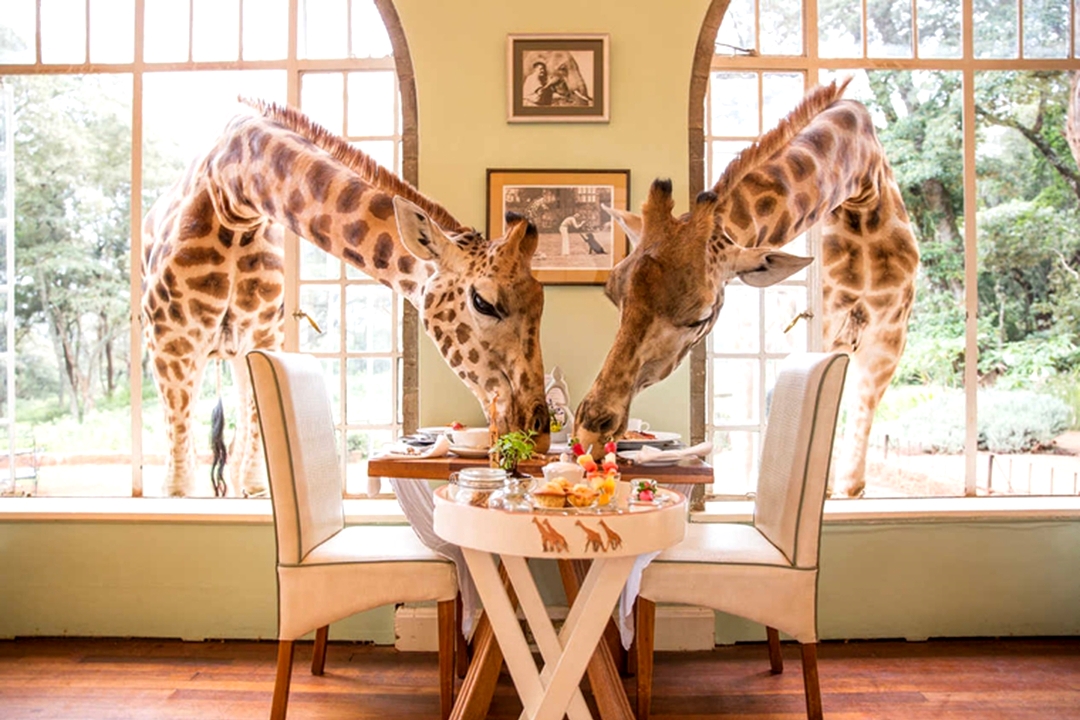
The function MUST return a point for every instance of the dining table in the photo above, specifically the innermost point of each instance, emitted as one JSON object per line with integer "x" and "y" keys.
{"x": 407, "y": 476}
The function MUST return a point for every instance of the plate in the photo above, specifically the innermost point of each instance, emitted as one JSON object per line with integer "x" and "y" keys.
{"x": 434, "y": 430}
{"x": 662, "y": 439}
{"x": 469, "y": 452}
{"x": 632, "y": 455}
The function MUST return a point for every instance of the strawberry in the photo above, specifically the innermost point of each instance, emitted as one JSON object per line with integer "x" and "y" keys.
{"x": 610, "y": 446}
{"x": 456, "y": 426}
{"x": 578, "y": 449}
{"x": 610, "y": 466}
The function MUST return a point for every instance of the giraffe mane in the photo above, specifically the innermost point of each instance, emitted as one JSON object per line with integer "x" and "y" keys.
{"x": 355, "y": 159}
{"x": 768, "y": 144}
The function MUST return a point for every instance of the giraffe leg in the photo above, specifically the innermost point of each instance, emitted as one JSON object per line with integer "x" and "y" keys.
{"x": 178, "y": 382}
{"x": 247, "y": 471}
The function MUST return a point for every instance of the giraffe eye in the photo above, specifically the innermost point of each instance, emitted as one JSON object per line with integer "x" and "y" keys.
{"x": 483, "y": 306}
{"x": 701, "y": 323}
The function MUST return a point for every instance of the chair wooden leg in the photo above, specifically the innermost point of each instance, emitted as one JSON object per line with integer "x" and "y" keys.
{"x": 448, "y": 631}
{"x": 281, "y": 682}
{"x": 461, "y": 654}
{"x": 644, "y": 640}
{"x": 776, "y": 659}
{"x": 318, "y": 657}
{"x": 810, "y": 681}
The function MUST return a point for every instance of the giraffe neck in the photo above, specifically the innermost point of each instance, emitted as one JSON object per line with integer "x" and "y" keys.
{"x": 836, "y": 160}
{"x": 261, "y": 171}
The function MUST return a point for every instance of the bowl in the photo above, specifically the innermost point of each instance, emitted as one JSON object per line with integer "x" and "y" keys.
{"x": 471, "y": 437}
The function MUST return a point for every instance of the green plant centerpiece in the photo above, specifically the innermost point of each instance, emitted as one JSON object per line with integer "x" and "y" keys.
{"x": 513, "y": 448}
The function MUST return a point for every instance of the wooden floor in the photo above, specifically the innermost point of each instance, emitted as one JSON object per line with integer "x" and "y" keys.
{"x": 88, "y": 679}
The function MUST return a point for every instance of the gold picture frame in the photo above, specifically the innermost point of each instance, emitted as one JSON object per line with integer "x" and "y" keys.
{"x": 557, "y": 78}
{"x": 579, "y": 242}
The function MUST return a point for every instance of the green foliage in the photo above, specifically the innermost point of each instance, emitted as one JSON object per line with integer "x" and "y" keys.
{"x": 514, "y": 448}
{"x": 1008, "y": 422}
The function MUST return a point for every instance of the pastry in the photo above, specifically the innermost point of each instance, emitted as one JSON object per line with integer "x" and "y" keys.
{"x": 581, "y": 495}
{"x": 549, "y": 495}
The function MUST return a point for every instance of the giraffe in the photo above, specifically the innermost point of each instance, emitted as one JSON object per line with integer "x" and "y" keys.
{"x": 213, "y": 269}
{"x": 824, "y": 164}
{"x": 593, "y": 539}
{"x": 552, "y": 540}
{"x": 614, "y": 539}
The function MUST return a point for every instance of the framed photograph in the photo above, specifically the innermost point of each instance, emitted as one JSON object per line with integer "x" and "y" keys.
{"x": 557, "y": 78}
{"x": 579, "y": 242}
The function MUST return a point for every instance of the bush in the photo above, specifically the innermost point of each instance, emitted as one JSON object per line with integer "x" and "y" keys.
{"x": 1008, "y": 422}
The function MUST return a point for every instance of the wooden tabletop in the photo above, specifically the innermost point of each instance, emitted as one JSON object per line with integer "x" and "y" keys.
{"x": 441, "y": 467}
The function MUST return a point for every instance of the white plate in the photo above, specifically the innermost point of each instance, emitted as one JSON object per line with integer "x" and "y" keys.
{"x": 661, "y": 439}
{"x": 632, "y": 455}
{"x": 469, "y": 452}
{"x": 435, "y": 430}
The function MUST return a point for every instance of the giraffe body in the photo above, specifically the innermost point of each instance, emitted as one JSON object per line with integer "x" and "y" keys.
{"x": 822, "y": 165}
{"x": 213, "y": 269}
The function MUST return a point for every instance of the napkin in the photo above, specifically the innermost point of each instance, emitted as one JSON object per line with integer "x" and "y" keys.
{"x": 439, "y": 448}
{"x": 649, "y": 454}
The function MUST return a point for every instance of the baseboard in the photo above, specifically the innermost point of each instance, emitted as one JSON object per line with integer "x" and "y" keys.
{"x": 678, "y": 627}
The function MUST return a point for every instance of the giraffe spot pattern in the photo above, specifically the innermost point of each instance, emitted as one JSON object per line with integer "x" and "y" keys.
{"x": 197, "y": 220}
{"x": 354, "y": 257}
{"x": 319, "y": 231}
{"x": 381, "y": 206}
{"x": 354, "y": 232}
{"x": 463, "y": 332}
{"x": 225, "y": 236}
{"x": 214, "y": 284}
{"x": 384, "y": 251}
{"x": 349, "y": 198}
{"x": 282, "y": 161}
{"x": 319, "y": 177}
{"x": 194, "y": 256}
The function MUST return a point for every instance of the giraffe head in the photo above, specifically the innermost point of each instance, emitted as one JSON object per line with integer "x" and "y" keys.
{"x": 481, "y": 306}
{"x": 669, "y": 290}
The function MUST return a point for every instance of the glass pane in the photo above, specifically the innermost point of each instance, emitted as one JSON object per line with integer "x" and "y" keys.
{"x": 111, "y": 39}
{"x": 723, "y": 152}
{"x": 939, "y": 28}
{"x": 332, "y": 373}
{"x": 3, "y": 331}
{"x": 165, "y": 35}
{"x": 324, "y": 29}
{"x": 735, "y": 104}
{"x": 371, "y": 103}
{"x": 361, "y": 445}
{"x": 1046, "y": 28}
{"x": 370, "y": 385}
{"x": 840, "y": 28}
{"x": 781, "y": 27}
{"x": 369, "y": 38}
{"x": 3, "y": 248}
{"x": 737, "y": 29}
{"x": 785, "y": 331}
{"x": 370, "y": 327}
{"x": 322, "y": 98}
{"x": 996, "y": 28}
{"x": 382, "y": 151}
{"x": 63, "y": 31}
{"x": 17, "y": 32}
{"x": 266, "y": 29}
{"x": 317, "y": 264}
{"x": 888, "y": 29}
{"x": 737, "y": 329}
{"x": 216, "y": 30}
{"x": 781, "y": 92}
{"x": 323, "y": 304}
{"x": 735, "y": 388}
{"x": 735, "y": 459}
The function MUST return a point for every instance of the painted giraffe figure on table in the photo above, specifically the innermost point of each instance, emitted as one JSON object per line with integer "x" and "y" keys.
{"x": 822, "y": 164}
{"x": 213, "y": 269}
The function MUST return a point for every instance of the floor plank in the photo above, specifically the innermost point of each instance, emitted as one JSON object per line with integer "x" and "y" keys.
{"x": 103, "y": 679}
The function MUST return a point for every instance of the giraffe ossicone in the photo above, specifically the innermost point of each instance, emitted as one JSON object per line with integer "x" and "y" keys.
{"x": 214, "y": 264}
{"x": 823, "y": 165}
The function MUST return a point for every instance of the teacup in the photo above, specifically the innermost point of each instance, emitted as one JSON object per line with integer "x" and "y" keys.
{"x": 471, "y": 437}
{"x": 637, "y": 425}
{"x": 572, "y": 472}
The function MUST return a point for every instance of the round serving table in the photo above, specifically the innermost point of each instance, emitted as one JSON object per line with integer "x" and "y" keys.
{"x": 611, "y": 540}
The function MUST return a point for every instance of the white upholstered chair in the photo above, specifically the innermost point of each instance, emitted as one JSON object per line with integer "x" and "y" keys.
{"x": 326, "y": 571}
{"x": 768, "y": 571}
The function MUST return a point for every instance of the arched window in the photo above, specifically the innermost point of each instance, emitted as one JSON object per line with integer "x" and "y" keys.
{"x": 972, "y": 103}
{"x": 107, "y": 103}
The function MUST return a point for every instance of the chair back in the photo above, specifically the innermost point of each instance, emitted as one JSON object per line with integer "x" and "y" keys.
{"x": 301, "y": 450}
{"x": 796, "y": 453}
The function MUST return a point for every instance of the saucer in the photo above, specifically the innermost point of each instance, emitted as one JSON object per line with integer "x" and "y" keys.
{"x": 469, "y": 452}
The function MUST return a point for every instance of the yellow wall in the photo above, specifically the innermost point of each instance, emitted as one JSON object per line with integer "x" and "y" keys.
{"x": 459, "y": 55}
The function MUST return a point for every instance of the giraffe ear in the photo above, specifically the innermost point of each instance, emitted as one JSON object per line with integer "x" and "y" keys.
{"x": 630, "y": 222}
{"x": 419, "y": 234}
{"x": 762, "y": 267}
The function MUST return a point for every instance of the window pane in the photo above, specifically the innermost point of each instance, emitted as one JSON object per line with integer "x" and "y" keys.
{"x": 382, "y": 151}
{"x": 63, "y": 31}
{"x": 369, "y": 37}
{"x": 780, "y": 93}
{"x": 723, "y": 153}
{"x": 737, "y": 328}
{"x": 323, "y": 304}
{"x": 17, "y": 31}
{"x": 371, "y": 322}
{"x": 735, "y": 458}
{"x": 317, "y": 264}
{"x": 996, "y": 32}
{"x": 165, "y": 37}
{"x": 361, "y": 445}
{"x": 840, "y": 28}
{"x": 111, "y": 40}
{"x": 1046, "y": 28}
{"x": 371, "y": 391}
{"x": 266, "y": 29}
{"x": 939, "y": 28}
{"x": 781, "y": 27}
{"x": 324, "y": 29}
{"x": 737, "y": 29}
{"x": 735, "y": 104}
{"x": 735, "y": 392}
{"x": 216, "y": 30}
{"x": 322, "y": 97}
{"x": 785, "y": 331}
{"x": 888, "y": 29}
{"x": 371, "y": 103}
{"x": 332, "y": 374}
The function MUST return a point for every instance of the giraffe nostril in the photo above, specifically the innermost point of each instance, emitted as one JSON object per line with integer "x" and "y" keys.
{"x": 541, "y": 421}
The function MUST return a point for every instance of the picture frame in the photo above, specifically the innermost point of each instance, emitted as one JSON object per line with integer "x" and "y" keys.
{"x": 557, "y": 78}
{"x": 579, "y": 242}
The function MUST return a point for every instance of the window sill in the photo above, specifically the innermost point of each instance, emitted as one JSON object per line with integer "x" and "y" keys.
{"x": 387, "y": 511}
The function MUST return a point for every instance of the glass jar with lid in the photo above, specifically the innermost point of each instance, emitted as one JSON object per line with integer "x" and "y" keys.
{"x": 475, "y": 485}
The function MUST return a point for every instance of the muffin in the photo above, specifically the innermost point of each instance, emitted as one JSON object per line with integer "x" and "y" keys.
{"x": 581, "y": 495}
{"x": 549, "y": 495}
